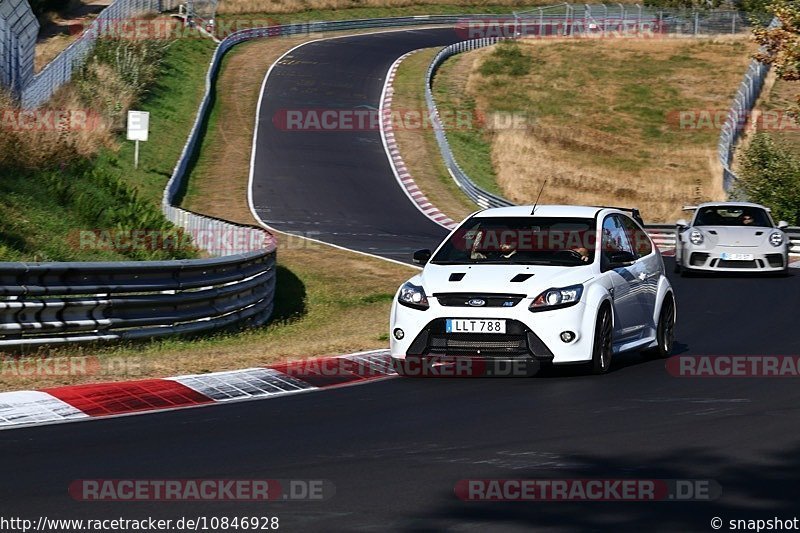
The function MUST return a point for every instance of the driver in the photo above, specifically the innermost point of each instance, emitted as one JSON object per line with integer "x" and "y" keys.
{"x": 583, "y": 252}
{"x": 747, "y": 219}
{"x": 507, "y": 250}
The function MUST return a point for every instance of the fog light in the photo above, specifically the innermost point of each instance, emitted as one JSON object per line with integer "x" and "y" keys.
{"x": 567, "y": 336}
{"x": 398, "y": 333}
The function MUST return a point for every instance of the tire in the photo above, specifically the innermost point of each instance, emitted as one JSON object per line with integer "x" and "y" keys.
{"x": 603, "y": 341}
{"x": 665, "y": 329}
{"x": 677, "y": 268}
{"x": 685, "y": 272}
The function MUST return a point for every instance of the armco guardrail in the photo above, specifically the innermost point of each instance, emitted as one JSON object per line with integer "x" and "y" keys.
{"x": 54, "y": 303}
{"x": 794, "y": 238}
{"x": 739, "y": 114}
{"x": 480, "y": 196}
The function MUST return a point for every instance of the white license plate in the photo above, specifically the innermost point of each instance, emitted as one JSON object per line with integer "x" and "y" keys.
{"x": 475, "y": 325}
{"x": 737, "y": 257}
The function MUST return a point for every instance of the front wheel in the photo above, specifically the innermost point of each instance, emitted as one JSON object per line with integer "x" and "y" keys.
{"x": 603, "y": 337}
{"x": 665, "y": 331}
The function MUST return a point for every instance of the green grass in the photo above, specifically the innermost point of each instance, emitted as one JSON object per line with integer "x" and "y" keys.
{"x": 172, "y": 104}
{"x": 472, "y": 145}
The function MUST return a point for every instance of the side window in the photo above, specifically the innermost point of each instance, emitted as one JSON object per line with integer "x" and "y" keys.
{"x": 637, "y": 237}
{"x": 614, "y": 237}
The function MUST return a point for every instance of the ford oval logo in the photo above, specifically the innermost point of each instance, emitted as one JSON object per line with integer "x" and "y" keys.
{"x": 476, "y": 302}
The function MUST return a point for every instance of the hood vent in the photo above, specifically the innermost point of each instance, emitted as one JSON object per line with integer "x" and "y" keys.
{"x": 519, "y": 278}
{"x": 457, "y": 276}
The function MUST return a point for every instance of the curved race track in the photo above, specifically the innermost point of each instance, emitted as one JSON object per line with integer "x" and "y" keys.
{"x": 337, "y": 186}
{"x": 395, "y": 449}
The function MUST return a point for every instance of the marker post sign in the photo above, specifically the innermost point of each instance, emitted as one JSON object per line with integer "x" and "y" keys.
{"x": 138, "y": 128}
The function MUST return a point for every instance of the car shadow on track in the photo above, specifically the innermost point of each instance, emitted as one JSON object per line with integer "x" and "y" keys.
{"x": 759, "y": 488}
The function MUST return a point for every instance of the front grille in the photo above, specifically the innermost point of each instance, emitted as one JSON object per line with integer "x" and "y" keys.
{"x": 518, "y": 341}
{"x": 460, "y": 299}
{"x": 478, "y": 344}
{"x": 727, "y": 263}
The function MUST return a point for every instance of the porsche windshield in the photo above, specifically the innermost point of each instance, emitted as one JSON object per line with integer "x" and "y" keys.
{"x": 726, "y": 215}
{"x": 520, "y": 240}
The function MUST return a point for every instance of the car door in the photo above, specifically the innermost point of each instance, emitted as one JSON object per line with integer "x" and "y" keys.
{"x": 648, "y": 268}
{"x": 625, "y": 281}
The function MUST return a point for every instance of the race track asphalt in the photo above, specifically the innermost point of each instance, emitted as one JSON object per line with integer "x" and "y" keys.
{"x": 395, "y": 449}
{"x": 336, "y": 185}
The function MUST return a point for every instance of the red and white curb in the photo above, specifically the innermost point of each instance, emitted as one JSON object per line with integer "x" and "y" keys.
{"x": 399, "y": 167}
{"x": 97, "y": 400}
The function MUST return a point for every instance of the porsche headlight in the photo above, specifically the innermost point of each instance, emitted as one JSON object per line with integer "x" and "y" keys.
{"x": 412, "y": 296}
{"x": 696, "y": 237}
{"x": 557, "y": 298}
{"x": 776, "y": 238}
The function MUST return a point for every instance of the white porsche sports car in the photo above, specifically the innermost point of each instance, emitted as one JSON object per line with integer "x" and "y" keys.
{"x": 544, "y": 284}
{"x": 731, "y": 237}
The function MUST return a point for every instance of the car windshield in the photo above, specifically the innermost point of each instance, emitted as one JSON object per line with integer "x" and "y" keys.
{"x": 732, "y": 216}
{"x": 520, "y": 240}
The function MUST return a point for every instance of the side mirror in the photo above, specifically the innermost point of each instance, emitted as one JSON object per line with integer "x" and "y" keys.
{"x": 783, "y": 224}
{"x": 421, "y": 257}
{"x": 620, "y": 259}
{"x": 681, "y": 223}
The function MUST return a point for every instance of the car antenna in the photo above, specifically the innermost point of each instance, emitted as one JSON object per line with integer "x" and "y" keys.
{"x": 539, "y": 196}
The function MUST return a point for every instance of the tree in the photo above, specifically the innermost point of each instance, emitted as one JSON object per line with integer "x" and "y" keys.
{"x": 770, "y": 175}
{"x": 781, "y": 45}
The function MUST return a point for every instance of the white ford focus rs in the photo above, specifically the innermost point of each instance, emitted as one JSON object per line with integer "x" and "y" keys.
{"x": 550, "y": 284}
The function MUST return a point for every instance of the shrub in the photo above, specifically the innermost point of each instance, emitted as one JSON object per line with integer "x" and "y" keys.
{"x": 770, "y": 175}
{"x": 507, "y": 58}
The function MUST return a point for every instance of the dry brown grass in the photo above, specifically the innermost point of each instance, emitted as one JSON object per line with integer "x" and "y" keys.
{"x": 48, "y": 49}
{"x": 42, "y": 145}
{"x": 601, "y": 132}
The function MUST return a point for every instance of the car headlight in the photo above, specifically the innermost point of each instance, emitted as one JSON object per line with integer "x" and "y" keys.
{"x": 776, "y": 238}
{"x": 412, "y": 296}
{"x": 696, "y": 237}
{"x": 557, "y": 298}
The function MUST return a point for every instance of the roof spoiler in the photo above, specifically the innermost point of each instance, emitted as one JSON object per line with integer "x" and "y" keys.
{"x": 635, "y": 214}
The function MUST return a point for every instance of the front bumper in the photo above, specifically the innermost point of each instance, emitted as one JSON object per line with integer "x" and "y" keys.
{"x": 713, "y": 261}
{"x": 530, "y": 337}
